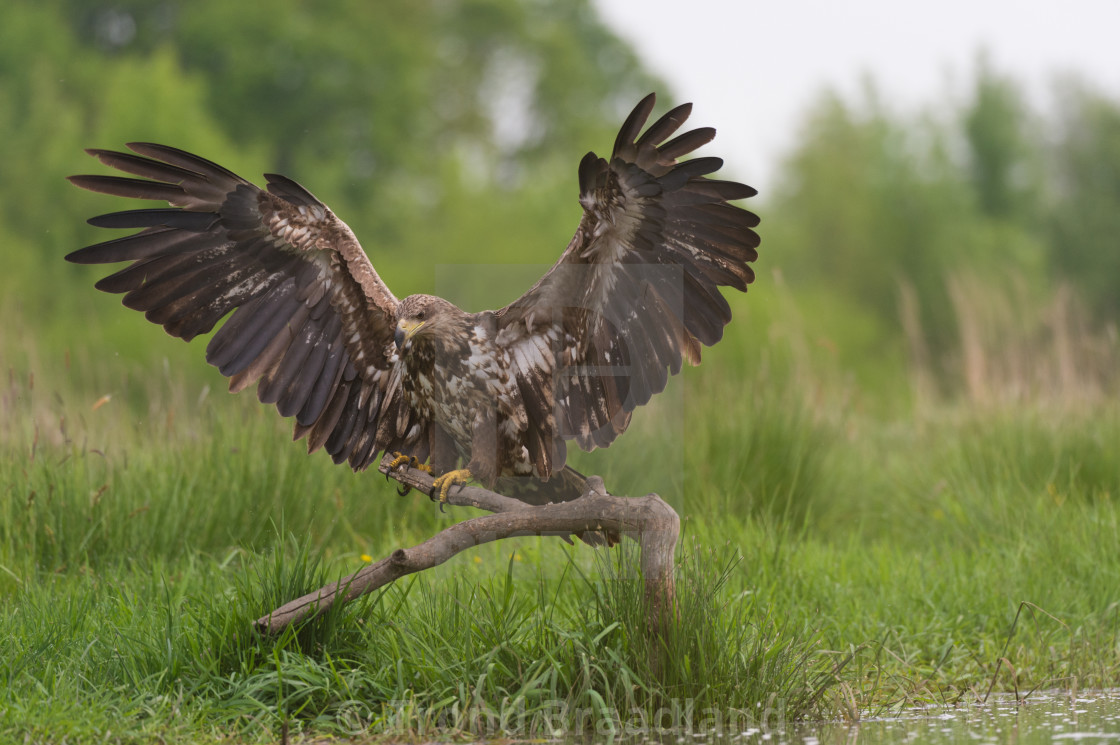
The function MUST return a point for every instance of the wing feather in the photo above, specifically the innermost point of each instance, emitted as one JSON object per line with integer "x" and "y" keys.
{"x": 658, "y": 132}
{"x": 309, "y": 319}
{"x": 637, "y": 290}
{"x": 304, "y": 365}
{"x": 318, "y": 394}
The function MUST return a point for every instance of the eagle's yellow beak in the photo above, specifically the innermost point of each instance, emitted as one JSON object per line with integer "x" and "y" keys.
{"x": 405, "y": 331}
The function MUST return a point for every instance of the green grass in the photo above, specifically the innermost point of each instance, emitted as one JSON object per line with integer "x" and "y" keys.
{"x": 838, "y": 557}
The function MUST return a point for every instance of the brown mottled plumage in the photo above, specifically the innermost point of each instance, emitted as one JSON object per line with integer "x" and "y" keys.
{"x": 634, "y": 295}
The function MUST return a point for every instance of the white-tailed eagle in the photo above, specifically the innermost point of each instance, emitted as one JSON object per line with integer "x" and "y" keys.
{"x": 498, "y": 393}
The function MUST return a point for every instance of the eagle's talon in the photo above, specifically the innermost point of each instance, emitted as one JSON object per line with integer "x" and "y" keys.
{"x": 407, "y": 461}
{"x": 444, "y": 483}
{"x": 403, "y": 489}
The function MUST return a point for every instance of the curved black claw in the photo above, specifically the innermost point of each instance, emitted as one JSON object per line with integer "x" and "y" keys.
{"x": 402, "y": 489}
{"x": 435, "y": 498}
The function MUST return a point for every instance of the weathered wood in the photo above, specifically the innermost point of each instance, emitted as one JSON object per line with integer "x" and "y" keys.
{"x": 649, "y": 520}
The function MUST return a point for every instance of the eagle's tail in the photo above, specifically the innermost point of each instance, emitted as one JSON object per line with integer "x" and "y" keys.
{"x": 563, "y": 486}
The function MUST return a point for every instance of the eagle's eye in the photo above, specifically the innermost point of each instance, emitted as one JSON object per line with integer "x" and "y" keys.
{"x": 420, "y": 315}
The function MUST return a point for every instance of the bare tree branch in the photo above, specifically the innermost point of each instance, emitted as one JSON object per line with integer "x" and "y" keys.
{"x": 649, "y": 520}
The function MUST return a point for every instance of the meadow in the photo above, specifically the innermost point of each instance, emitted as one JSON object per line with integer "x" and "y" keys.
{"x": 846, "y": 550}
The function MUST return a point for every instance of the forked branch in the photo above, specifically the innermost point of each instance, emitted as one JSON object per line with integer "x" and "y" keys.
{"x": 649, "y": 520}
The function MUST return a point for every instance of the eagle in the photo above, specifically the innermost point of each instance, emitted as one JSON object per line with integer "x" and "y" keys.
{"x": 493, "y": 396}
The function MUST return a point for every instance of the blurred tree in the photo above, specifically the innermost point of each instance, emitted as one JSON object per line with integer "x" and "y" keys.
{"x": 448, "y": 131}
{"x": 1003, "y": 155}
{"x": 888, "y": 207}
{"x": 869, "y": 200}
{"x": 393, "y": 111}
{"x": 441, "y": 130}
{"x": 52, "y": 104}
{"x": 1085, "y": 213}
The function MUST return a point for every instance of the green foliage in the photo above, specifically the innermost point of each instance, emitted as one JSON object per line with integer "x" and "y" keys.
{"x": 398, "y": 114}
{"x": 999, "y": 148}
{"x": 419, "y": 123}
{"x": 890, "y": 209}
{"x": 863, "y": 206}
{"x": 1084, "y": 222}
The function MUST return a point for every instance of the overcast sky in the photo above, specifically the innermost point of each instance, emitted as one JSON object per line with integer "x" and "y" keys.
{"x": 752, "y": 67}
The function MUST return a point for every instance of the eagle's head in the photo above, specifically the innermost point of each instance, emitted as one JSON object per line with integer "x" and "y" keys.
{"x": 424, "y": 318}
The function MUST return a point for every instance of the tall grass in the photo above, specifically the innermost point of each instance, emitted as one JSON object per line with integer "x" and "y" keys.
{"x": 839, "y": 557}
{"x": 1017, "y": 342}
{"x": 494, "y": 655}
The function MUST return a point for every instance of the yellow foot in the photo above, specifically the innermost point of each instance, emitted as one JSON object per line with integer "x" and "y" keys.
{"x": 444, "y": 483}
{"x": 399, "y": 459}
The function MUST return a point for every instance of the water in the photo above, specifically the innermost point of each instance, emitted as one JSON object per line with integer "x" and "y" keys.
{"x": 1052, "y": 717}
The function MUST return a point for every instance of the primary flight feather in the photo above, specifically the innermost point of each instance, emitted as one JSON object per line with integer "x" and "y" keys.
{"x": 500, "y": 392}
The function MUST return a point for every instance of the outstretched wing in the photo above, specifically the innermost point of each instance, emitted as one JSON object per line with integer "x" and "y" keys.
{"x": 311, "y": 321}
{"x": 636, "y": 291}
